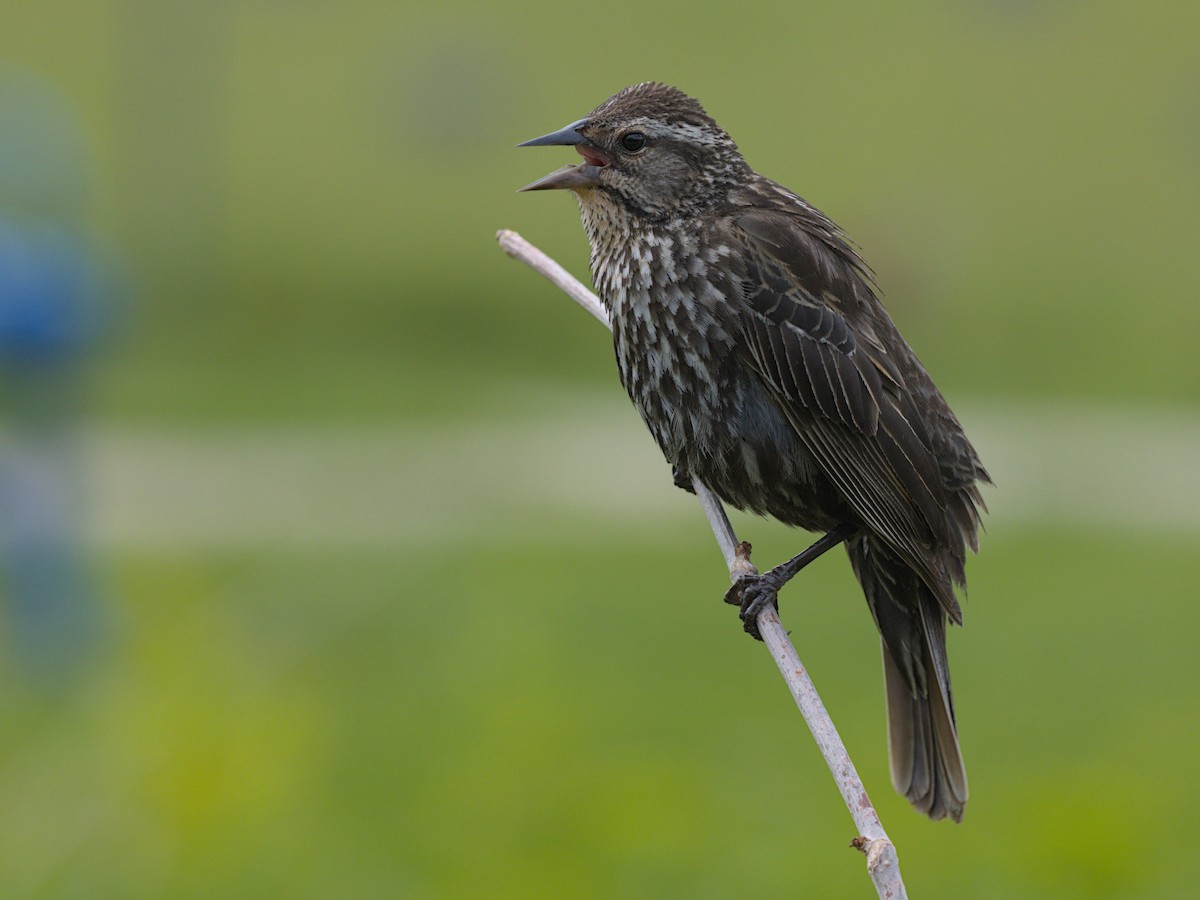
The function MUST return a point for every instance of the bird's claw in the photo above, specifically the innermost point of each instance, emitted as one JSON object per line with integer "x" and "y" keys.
{"x": 682, "y": 479}
{"x": 752, "y": 594}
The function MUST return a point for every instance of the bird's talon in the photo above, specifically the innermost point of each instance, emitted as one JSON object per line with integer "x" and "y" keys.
{"x": 682, "y": 479}
{"x": 733, "y": 596}
{"x": 752, "y": 594}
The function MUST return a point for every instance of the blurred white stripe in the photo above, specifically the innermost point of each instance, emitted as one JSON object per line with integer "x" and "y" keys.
{"x": 1105, "y": 468}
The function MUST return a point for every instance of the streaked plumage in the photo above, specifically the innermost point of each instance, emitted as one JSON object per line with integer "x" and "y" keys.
{"x": 750, "y": 338}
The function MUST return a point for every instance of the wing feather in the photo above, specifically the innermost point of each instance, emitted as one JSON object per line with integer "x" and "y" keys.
{"x": 842, "y": 392}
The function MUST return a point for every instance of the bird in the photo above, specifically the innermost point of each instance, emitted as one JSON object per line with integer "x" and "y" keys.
{"x": 750, "y": 336}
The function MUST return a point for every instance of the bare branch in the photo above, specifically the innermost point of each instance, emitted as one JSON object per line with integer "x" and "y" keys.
{"x": 520, "y": 249}
{"x": 882, "y": 862}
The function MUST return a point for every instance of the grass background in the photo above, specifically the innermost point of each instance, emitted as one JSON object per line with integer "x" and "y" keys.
{"x": 514, "y": 689}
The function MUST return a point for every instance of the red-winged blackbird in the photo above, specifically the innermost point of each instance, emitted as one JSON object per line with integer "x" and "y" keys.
{"x": 750, "y": 338}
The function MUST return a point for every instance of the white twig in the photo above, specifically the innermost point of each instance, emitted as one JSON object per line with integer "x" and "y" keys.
{"x": 519, "y": 248}
{"x": 882, "y": 862}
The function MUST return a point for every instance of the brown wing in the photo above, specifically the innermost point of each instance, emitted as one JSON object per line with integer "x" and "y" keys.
{"x": 833, "y": 361}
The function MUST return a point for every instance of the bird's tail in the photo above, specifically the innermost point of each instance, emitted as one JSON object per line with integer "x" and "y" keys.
{"x": 926, "y": 762}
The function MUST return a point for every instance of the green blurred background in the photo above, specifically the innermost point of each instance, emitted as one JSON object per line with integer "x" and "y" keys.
{"x": 379, "y": 587}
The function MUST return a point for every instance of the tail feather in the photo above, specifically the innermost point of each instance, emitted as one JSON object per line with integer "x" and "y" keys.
{"x": 926, "y": 762}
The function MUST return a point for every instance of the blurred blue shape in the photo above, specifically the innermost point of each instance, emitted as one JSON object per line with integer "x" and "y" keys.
{"x": 49, "y": 297}
{"x": 53, "y": 301}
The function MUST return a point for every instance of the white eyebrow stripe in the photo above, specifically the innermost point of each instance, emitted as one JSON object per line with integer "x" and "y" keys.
{"x": 678, "y": 131}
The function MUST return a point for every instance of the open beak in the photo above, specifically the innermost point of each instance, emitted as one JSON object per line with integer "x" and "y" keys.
{"x": 581, "y": 176}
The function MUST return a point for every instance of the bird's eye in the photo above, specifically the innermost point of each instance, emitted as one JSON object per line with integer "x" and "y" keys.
{"x": 633, "y": 142}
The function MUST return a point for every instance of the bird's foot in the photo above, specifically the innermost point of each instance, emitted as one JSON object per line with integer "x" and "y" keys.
{"x": 682, "y": 479}
{"x": 752, "y": 594}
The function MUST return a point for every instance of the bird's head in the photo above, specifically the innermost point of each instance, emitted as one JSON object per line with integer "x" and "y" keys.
{"x": 651, "y": 148}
